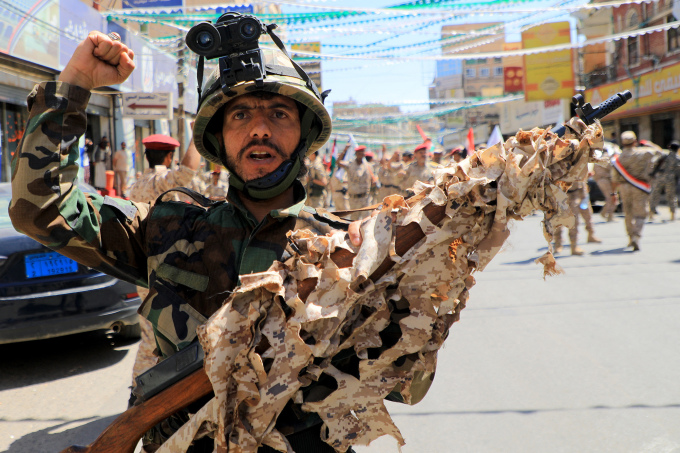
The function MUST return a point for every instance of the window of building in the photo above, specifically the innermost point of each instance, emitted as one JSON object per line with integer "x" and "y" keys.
{"x": 497, "y": 60}
{"x": 484, "y": 72}
{"x": 470, "y": 73}
{"x": 633, "y": 51}
{"x": 473, "y": 61}
{"x": 672, "y": 35}
{"x": 633, "y": 19}
{"x": 498, "y": 71}
{"x": 481, "y": 60}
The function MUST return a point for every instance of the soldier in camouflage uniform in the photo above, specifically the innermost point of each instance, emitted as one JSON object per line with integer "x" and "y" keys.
{"x": 388, "y": 175}
{"x": 421, "y": 169}
{"x": 631, "y": 174}
{"x": 217, "y": 189}
{"x": 579, "y": 203}
{"x": 159, "y": 151}
{"x": 338, "y": 185}
{"x": 666, "y": 175}
{"x": 189, "y": 256}
{"x": 318, "y": 180}
{"x": 603, "y": 178}
{"x": 360, "y": 178}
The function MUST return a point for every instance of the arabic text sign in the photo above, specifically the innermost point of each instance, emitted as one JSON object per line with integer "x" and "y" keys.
{"x": 147, "y": 106}
{"x": 653, "y": 90}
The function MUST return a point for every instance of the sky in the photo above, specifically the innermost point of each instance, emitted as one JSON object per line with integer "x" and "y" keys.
{"x": 386, "y": 82}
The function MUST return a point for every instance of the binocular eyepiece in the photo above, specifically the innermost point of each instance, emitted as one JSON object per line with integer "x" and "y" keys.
{"x": 231, "y": 33}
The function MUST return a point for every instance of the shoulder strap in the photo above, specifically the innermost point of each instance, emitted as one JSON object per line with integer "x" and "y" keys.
{"x": 197, "y": 197}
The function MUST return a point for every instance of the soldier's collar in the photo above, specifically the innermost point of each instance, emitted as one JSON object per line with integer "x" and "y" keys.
{"x": 299, "y": 197}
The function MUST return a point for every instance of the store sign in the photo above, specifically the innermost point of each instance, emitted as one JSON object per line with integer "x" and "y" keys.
{"x": 147, "y": 106}
{"x": 548, "y": 75}
{"x": 654, "y": 91}
{"x": 23, "y": 33}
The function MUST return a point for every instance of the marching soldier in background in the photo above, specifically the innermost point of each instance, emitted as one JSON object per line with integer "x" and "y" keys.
{"x": 360, "y": 178}
{"x": 318, "y": 180}
{"x": 338, "y": 186}
{"x": 217, "y": 189}
{"x": 421, "y": 169}
{"x": 666, "y": 174}
{"x": 388, "y": 175}
{"x": 579, "y": 203}
{"x": 603, "y": 178}
{"x": 631, "y": 174}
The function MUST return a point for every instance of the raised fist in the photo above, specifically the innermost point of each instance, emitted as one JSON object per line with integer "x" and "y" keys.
{"x": 98, "y": 61}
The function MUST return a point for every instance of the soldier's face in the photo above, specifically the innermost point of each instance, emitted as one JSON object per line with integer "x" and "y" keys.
{"x": 259, "y": 134}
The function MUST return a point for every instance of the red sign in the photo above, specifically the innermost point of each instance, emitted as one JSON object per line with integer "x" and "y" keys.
{"x": 513, "y": 79}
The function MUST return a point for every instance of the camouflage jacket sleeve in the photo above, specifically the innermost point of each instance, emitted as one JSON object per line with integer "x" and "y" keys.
{"x": 100, "y": 232}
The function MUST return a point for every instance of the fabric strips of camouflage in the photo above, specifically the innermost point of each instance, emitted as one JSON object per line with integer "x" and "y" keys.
{"x": 257, "y": 358}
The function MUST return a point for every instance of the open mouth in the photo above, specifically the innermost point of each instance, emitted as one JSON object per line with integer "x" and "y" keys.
{"x": 260, "y": 155}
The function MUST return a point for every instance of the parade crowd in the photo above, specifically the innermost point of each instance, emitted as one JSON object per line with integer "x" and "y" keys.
{"x": 360, "y": 178}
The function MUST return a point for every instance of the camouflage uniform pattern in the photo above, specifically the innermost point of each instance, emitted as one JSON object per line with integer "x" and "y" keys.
{"x": 577, "y": 193}
{"x": 190, "y": 257}
{"x": 389, "y": 180}
{"x": 267, "y": 342}
{"x": 415, "y": 172}
{"x": 151, "y": 185}
{"x": 603, "y": 178}
{"x": 216, "y": 191}
{"x": 317, "y": 171}
{"x": 358, "y": 186}
{"x": 666, "y": 181}
{"x": 338, "y": 190}
{"x": 639, "y": 162}
{"x": 155, "y": 181}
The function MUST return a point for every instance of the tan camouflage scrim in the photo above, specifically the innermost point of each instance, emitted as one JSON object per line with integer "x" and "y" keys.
{"x": 292, "y": 87}
{"x": 265, "y": 345}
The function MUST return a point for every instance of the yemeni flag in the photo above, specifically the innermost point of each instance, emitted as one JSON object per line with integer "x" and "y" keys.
{"x": 334, "y": 156}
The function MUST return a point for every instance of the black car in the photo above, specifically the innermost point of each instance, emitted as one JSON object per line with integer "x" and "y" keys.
{"x": 44, "y": 294}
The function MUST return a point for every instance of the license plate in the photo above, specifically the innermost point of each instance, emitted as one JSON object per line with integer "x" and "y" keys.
{"x": 48, "y": 264}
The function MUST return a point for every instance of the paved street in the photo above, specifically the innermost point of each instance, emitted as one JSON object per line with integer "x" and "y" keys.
{"x": 582, "y": 362}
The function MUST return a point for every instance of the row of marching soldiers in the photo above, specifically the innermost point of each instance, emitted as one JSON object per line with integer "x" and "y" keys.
{"x": 362, "y": 180}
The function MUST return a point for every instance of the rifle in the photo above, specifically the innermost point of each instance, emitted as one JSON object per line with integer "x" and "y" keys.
{"x": 180, "y": 379}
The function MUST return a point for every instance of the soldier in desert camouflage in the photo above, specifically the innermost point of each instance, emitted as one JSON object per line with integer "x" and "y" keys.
{"x": 190, "y": 257}
{"x": 631, "y": 176}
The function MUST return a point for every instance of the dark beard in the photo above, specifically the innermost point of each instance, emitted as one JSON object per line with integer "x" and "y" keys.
{"x": 231, "y": 166}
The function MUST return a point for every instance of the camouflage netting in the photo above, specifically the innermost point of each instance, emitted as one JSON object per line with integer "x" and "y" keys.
{"x": 266, "y": 344}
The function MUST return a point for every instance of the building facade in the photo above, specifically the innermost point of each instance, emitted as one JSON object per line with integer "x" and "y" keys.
{"x": 648, "y": 65}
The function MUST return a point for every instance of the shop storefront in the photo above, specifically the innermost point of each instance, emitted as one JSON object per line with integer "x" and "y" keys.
{"x": 35, "y": 47}
{"x": 653, "y": 113}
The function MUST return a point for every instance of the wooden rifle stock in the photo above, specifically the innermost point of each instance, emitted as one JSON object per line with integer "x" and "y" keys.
{"x": 124, "y": 433}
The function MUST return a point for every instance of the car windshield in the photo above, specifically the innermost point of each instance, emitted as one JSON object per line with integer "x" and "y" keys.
{"x": 6, "y": 196}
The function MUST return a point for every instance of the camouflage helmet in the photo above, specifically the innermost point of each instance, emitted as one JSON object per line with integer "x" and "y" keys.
{"x": 282, "y": 79}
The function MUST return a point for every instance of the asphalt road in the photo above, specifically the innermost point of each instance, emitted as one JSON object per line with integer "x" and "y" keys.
{"x": 582, "y": 362}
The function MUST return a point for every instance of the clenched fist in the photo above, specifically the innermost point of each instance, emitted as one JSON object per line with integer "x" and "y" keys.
{"x": 98, "y": 61}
